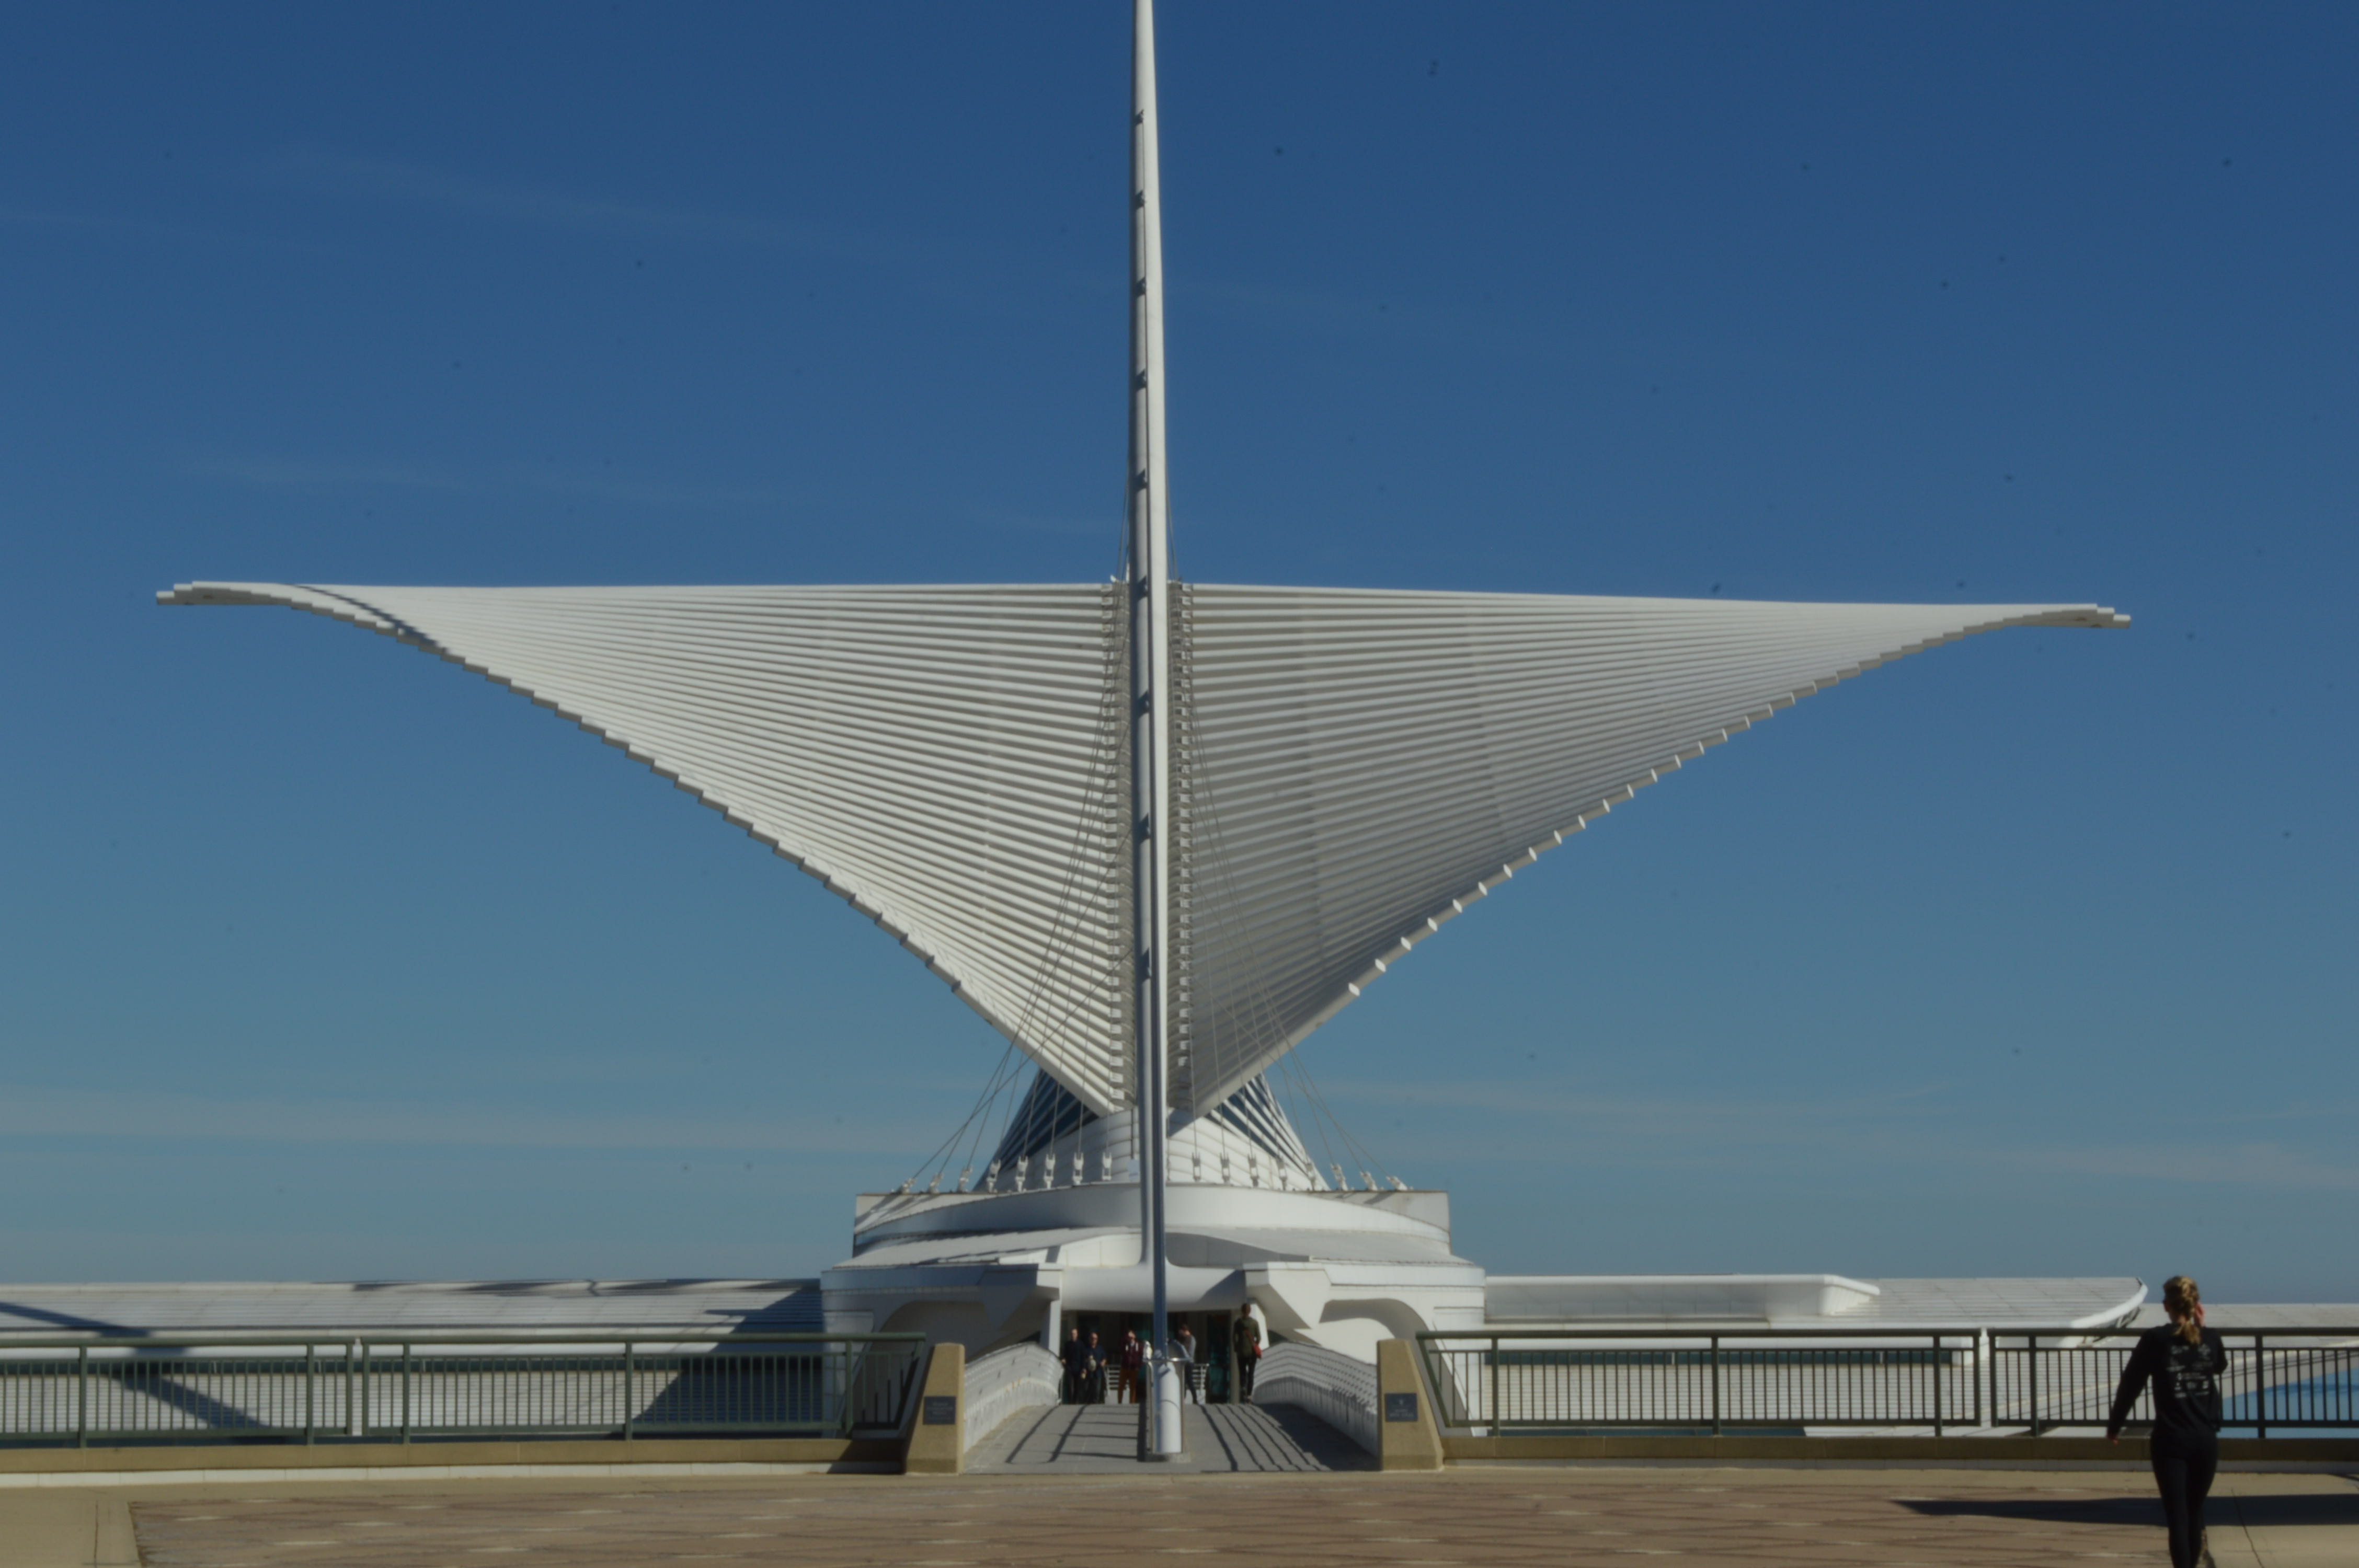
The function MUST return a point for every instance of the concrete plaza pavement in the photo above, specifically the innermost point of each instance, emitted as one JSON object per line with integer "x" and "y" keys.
{"x": 1474, "y": 1515}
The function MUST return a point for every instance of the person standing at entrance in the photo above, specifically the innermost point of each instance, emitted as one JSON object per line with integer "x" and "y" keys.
{"x": 1183, "y": 1352}
{"x": 2184, "y": 1362}
{"x": 1093, "y": 1374}
{"x": 1134, "y": 1357}
{"x": 1076, "y": 1360}
{"x": 1245, "y": 1338}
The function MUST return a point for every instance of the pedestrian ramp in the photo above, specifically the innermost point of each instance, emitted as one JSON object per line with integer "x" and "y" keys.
{"x": 1103, "y": 1440}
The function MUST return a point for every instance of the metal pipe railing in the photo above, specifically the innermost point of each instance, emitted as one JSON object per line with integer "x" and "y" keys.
{"x": 1575, "y": 1379}
{"x": 452, "y": 1383}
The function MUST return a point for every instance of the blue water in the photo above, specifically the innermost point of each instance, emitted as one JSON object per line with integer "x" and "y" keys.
{"x": 2333, "y": 1396}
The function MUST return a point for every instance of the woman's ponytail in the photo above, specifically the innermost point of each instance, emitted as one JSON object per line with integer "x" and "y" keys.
{"x": 2180, "y": 1300}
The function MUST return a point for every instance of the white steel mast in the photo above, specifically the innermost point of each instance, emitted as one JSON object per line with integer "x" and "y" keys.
{"x": 1150, "y": 658}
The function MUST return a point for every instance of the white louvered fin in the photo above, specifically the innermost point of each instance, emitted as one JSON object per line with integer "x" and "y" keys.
{"x": 949, "y": 759}
{"x": 1355, "y": 767}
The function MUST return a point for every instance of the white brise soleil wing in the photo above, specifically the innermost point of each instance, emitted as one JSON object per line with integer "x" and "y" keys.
{"x": 1352, "y": 768}
{"x": 1355, "y": 767}
{"x": 949, "y": 759}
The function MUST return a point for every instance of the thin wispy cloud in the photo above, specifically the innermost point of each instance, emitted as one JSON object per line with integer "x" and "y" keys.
{"x": 149, "y": 1117}
{"x": 1333, "y": 315}
{"x": 326, "y": 172}
{"x": 1511, "y": 1123}
{"x": 2240, "y": 1164}
{"x": 2314, "y": 1110}
{"x": 1499, "y": 1122}
{"x": 106, "y": 226}
{"x": 482, "y": 480}
{"x": 1107, "y": 527}
{"x": 29, "y": 218}
{"x": 1538, "y": 1101}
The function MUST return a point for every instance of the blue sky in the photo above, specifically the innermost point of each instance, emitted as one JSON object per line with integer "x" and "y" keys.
{"x": 321, "y": 959}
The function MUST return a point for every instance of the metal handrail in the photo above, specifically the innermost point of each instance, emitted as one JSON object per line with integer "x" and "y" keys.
{"x": 1947, "y": 1331}
{"x": 708, "y": 1323}
{"x": 448, "y": 1337}
{"x": 1724, "y": 1375}
{"x": 452, "y": 1382}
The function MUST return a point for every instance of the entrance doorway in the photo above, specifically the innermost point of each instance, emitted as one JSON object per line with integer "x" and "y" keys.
{"x": 1212, "y": 1371}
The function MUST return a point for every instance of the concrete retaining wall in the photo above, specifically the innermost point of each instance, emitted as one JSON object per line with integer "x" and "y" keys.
{"x": 1339, "y": 1390}
{"x": 1017, "y": 1377}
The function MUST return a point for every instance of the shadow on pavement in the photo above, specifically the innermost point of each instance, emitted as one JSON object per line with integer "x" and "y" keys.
{"x": 2043, "y": 1510}
{"x": 2320, "y": 1509}
{"x": 1275, "y": 1438}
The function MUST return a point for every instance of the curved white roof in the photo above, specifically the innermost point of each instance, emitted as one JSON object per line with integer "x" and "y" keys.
{"x": 506, "y": 1306}
{"x": 1351, "y": 768}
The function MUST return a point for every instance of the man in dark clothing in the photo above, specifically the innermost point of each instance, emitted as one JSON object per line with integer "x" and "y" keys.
{"x": 2184, "y": 1362}
{"x": 1076, "y": 1360}
{"x": 1245, "y": 1338}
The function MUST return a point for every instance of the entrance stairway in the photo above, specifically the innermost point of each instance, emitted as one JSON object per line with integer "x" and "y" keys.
{"x": 1080, "y": 1440}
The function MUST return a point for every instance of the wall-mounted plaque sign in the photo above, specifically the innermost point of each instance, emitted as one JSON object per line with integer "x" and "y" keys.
{"x": 941, "y": 1410}
{"x": 1400, "y": 1407}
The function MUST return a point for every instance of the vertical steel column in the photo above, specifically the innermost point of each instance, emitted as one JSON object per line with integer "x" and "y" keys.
{"x": 405, "y": 1393}
{"x": 1150, "y": 658}
{"x": 82, "y": 1397}
{"x": 630, "y": 1377}
{"x": 310, "y": 1389}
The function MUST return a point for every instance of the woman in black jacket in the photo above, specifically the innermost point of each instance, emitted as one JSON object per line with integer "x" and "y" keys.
{"x": 2185, "y": 1362}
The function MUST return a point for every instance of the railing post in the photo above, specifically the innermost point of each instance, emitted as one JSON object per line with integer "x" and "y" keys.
{"x": 1495, "y": 1431}
{"x": 2031, "y": 1383}
{"x": 310, "y": 1388}
{"x": 630, "y": 1404}
{"x": 82, "y": 1398}
{"x": 1986, "y": 1366}
{"x": 836, "y": 1364}
{"x": 2260, "y": 1385}
{"x": 1937, "y": 1384}
{"x": 405, "y": 1393}
{"x": 355, "y": 1389}
{"x": 1715, "y": 1385}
